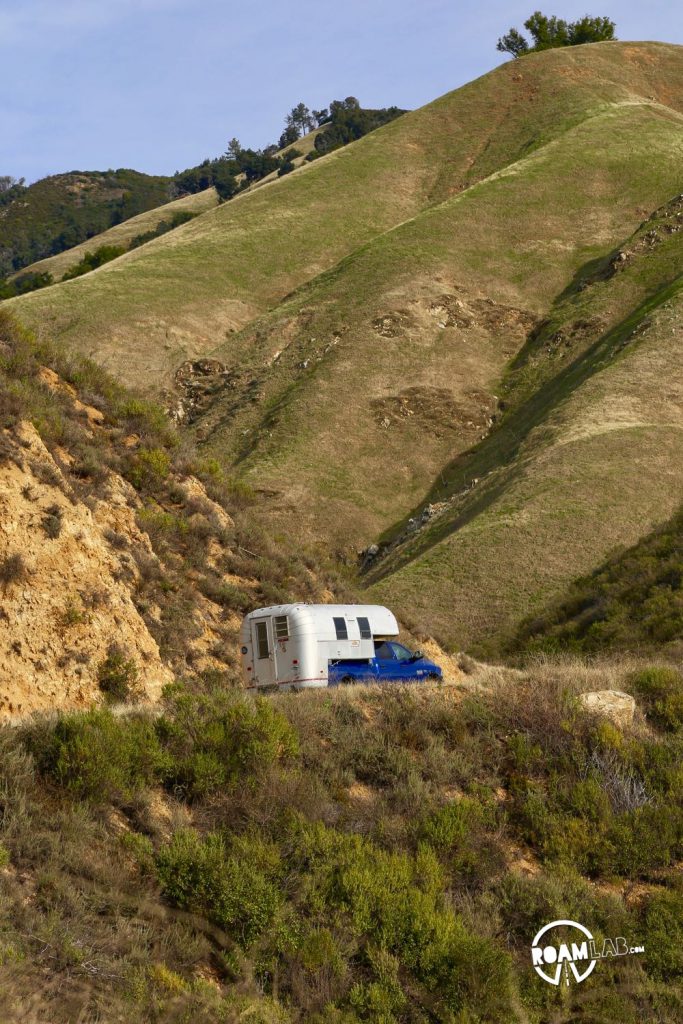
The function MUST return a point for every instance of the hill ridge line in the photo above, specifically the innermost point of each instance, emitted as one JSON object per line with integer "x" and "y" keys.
{"x": 510, "y": 169}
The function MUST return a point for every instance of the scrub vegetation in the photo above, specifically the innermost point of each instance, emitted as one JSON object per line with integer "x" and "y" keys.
{"x": 379, "y": 855}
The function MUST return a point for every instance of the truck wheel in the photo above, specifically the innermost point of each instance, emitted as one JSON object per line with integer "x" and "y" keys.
{"x": 347, "y": 680}
{"x": 433, "y": 678}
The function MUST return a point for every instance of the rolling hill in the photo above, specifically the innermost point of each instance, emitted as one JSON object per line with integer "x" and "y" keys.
{"x": 62, "y": 210}
{"x": 123, "y": 234}
{"x": 365, "y": 316}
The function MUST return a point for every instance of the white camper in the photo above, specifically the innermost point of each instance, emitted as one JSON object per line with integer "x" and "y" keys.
{"x": 292, "y": 645}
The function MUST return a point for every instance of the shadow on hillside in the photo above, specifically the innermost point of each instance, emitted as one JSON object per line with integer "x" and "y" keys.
{"x": 588, "y": 274}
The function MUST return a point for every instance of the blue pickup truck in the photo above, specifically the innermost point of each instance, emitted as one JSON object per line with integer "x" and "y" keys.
{"x": 392, "y": 663}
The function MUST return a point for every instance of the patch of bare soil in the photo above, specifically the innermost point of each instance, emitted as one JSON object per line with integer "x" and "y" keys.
{"x": 463, "y": 311}
{"x": 436, "y": 410}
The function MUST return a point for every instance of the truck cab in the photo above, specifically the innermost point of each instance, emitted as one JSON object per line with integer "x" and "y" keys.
{"x": 392, "y": 662}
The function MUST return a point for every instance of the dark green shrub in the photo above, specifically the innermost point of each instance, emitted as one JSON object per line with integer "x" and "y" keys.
{"x": 286, "y": 167}
{"x": 178, "y": 218}
{"x": 663, "y": 935}
{"x": 237, "y": 885}
{"x": 92, "y": 260}
{"x": 219, "y": 740}
{"x": 24, "y": 283}
{"x": 98, "y": 756}
{"x": 117, "y": 675}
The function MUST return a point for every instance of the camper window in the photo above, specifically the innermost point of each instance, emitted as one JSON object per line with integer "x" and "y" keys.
{"x": 281, "y": 627}
{"x": 340, "y": 627}
{"x": 364, "y": 627}
{"x": 262, "y": 639}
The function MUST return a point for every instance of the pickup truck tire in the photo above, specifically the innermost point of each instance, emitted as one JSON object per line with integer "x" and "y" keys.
{"x": 346, "y": 680}
{"x": 433, "y": 678}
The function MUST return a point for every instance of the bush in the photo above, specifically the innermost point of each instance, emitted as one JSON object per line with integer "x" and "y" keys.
{"x": 227, "y": 594}
{"x": 148, "y": 468}
{"x": 221, "y": 740}
{"x": 639, "y": 842}
{"x": 13, "y": 569}
{"x": 236, "y": 884}
{"x": 461, "y": 833}
{"x": 178, "y": 218}
{"x": 661, "y": 690}
{"x": 117, "y": 675}
{"x": 92, "y": 260}
{"x": 397, "y": 902}
{"x": 24, "y": 283}
{"x": 526, "y": 903}
{"x": 96, "y": 756}
{"x": 663, "y": 938}
{"x": 52, "y": 521}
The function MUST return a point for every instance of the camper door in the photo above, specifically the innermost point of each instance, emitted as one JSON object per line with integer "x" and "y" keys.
{"x": 264, "y": 656}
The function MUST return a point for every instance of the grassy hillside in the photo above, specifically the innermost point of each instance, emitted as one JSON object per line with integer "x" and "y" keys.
{"x": 367, "y": 314}
{"x": 58, "y": 212}
{"x": 582, "y": 460}
{"x": 256, "y": 249}
{"x": 124, "y": 233}
{"x": 399, "y": 349}
{"x": 633, "y": 602}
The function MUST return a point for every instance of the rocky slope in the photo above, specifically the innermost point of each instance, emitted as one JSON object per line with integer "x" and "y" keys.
{"x": 120, "y": 569}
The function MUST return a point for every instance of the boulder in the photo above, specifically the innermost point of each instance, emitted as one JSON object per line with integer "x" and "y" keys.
{"x": 613, "y": 704}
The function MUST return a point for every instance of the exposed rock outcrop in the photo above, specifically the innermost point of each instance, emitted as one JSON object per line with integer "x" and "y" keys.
{"x": 70, "y": 599}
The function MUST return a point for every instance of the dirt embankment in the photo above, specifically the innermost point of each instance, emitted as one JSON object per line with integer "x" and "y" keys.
{"x": 64, "y": 597}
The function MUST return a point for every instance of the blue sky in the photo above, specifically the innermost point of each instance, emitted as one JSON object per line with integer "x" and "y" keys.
{"x": 160, "y": 84}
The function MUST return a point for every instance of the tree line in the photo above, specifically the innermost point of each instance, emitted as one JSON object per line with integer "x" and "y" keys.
{"x": 548, "y": 33}
{"x": 238, "y": 167}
